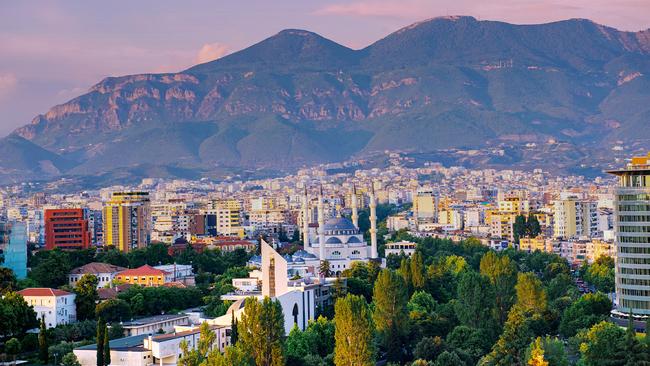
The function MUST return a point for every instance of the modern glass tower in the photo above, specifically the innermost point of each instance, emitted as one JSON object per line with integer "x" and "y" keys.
{"x": 13, "y": 242}
{"x": 632, "y": 226}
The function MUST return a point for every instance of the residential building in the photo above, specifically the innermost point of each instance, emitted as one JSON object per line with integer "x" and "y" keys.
{"x": 66, "y": 228}
{"x": 104, "y": 272}
{"x": 574, "y": 217}
{"x": 632, "y": 227}
{"x": 127, "y": 220}
{"x": 57, "y": 306}
{"x": 144, "y": 276}
{"x": 13, "y": 248}
{"x": 400, "y": 247}
{"x": 154, "y": 324}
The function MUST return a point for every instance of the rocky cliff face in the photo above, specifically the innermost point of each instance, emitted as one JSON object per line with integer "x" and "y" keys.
{"x": 298, "y": 98}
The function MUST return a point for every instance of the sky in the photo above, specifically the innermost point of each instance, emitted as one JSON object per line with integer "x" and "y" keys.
{"x": 52, "y": 51}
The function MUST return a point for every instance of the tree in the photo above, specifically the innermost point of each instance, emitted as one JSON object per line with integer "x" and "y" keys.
{"x": 503, "y": 275}
{"x": 12, "y": 347}
{"x": 588, "y": 310}
{"x": 16, "y": 316}
{"x": 475, "y": 301}
{"x": 533, "y": 227}
{"x": 353, "y": 332}
{"x": 602, "y": 345}
{"x": 601, "y": 274}
{"x": 261, "y": 330}
{"x": 324, "y": 269}
{"x": 8, "y": 280}
{"x": 106, "y": 346}
{"x": 511, "y": 346}
{"x": 429, "y": 348}
{"x": 537, "y": 354}
{"x": 113, "y": 310}
{"x": 70, "y": 360}
{"x": 447, "y": 358}
{"x": 42, "y": 342}
{"x": 99, "y": 341}
{"x": 86, "y": 290}
{"x": 234, "y": 337}
{"x": 417, "y": 271}
{"x": 299, "y": 344}
{"x": 390, "y": 316}
{"x": 519, "y": 227}
{"x": 53, "y": 270}
{"x": 531, "y": 295}
{"x": 552, "y": 351}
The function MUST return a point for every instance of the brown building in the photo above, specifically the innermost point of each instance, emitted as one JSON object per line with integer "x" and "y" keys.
{"x": 66, "y": 228}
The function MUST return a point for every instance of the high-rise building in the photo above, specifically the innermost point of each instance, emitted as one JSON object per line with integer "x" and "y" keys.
{"x": 632, "y": 227}
{"x": 66, "y": 228}
{"x": 13, "y": 247}
{"x": 575, "y": 217}
{"x": 127, "y": 220}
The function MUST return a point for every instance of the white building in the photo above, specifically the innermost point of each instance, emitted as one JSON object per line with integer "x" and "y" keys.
{"x": 399, "y": 247}
{"x": 56, "y": 306}
{"x": 104, "y": 272}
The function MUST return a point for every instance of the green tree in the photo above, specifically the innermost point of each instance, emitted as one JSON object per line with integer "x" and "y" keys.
{"x": 429, "y": 348}
{"x": 113, "y": 310}
{"x": 87, "y": 297}
{"x": 42, "y": 342}
{"x": 16, "y": 316}
{"x": 601, "y": 274}
{"x": 390, "y": 316}
{"x": 531, "y": 295}
{"x": 234, "y": 336}
{"x": 588, "y": 310}
{"x": 261, "y": 331}
{"x": 511, "y": 346}
{"x": 447, "y": 358}
{"x": 417, "y": 271}
{"x": 519, "y": 228}
{"x": 323, "y": 330}
{"x": 53, "y": 270}
{"x": 602, "y": 345}
{"x": 107, "y": 346}
{"x": 475, "y": 305}
{"x": 299, "y": 344}
{"x": 353, "y": 332}
{"x": 12, "y": 347}
{"x": 99, "y": 341}
{"x": 533, "y": 227}
{"x": 8, "y": 280}
{"x": 502, "y": 273}
{"x": 324, "y": 269}
{"x": 70, "y": 360}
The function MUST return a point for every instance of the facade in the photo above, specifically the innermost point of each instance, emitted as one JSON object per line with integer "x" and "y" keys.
{"x": 13, "y": 247}
{"x": 127, "y": 220}
{"x": 406, "y": 247}
{"x": 56, "y": 306}
{"x": 66, "y": 228}
{"x": 144, "y": 276}
{"x": 154, "y": 324}
{"x": 574, "y": 217}
{"x": 632, "y": 227}
{"x": 104, "y": 272}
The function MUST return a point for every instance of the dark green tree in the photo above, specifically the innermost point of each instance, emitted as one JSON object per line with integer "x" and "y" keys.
{"x": 7, "y": 280}
{"x": 519, "y": 228}
{"x": 261, "y": 331}
{"x": 99, "y": 341}
{"x": 533, "y": 227}
{"x": 113, "y": 310}
{"x": 234, "y": 336}
{"x": 86, "y": 291}
{"x": 53, "y": 270}
{"x": 43, "y": 354}
{"x": 588, "y": 310}
{"x": 502, "y": 273}
{"x": 475, "y": 305}
{"x": 106, "y": 346}
{"x": 12, "y": 347}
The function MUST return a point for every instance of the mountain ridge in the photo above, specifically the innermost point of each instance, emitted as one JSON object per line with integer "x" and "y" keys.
{"x": 297, "y": 98}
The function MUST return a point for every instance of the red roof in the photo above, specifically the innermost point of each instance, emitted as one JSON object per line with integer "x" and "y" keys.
{"x": 145, "y": 270}
{"x": 41, "y": 291}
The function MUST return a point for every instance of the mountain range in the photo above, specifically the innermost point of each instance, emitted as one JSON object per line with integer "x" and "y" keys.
{"x": 296, "y": 98}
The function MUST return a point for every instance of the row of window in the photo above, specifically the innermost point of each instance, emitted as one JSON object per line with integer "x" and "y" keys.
{"x": 634, "y": 207}
{"x": 634, "y": 239}
{"x": 634, "y": 229}
{"x": 632, "y": 292}
{"x": 635, "y": 271}
{"x": 634, "y": 250}
{"x": 634, "y": 218}
{"x": 634, "y": 282}
{"x": 634, "y": 197}
{"x": 634, "y": 304}
{"x": 634, "y": 260}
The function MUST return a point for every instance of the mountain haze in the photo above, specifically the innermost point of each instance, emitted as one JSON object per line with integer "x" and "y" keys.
{"x": 297, "y": 98}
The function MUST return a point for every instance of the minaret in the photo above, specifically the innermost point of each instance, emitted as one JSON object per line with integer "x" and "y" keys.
{"x": 305, "y": 220}
{"x": 355, "y": 212}
{"x": 321, "y": 226}
{"x": 373, "y": 223}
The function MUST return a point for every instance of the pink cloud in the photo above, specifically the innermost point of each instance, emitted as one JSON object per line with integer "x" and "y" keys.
{"x": 211, "y": 52}
{"x": 8, "y": 82}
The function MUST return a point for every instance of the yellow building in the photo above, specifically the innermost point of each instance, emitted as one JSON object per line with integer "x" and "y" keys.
{"x": 144, "y": 276}
{"x": 501, "y": 224}
{"x": 539, "y": 243}
{"x": 127, "y": 220}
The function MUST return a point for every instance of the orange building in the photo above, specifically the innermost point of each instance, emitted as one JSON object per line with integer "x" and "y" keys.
{"x": 144, "y": 276}
{"x": 66, "y": 228}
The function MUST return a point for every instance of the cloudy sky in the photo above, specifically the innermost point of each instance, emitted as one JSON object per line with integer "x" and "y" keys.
{"x": 51, "y": 51}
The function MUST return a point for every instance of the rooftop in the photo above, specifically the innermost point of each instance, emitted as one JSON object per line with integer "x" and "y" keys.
{"x": 41, "y": 291}
{"x": 97, "y": 267}
{"x": 121, "y": 343}
{"x": 153, "y": 319}
{"x": 145, "y": 270}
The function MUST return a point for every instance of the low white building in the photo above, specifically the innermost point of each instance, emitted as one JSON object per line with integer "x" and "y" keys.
{"x": 104, "y": 272}
{"x": 396, "y": 248}
{"x": 56, "y": 306}
{"x": 154, "y": 324}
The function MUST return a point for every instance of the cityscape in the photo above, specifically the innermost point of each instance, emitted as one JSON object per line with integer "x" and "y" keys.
{"x": 302, "y": 203}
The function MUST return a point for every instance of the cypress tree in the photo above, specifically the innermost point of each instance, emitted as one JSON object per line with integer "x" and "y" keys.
{"x": 234, "y": 336}
{"x": 390, "y": 314}
{"x": 353, "y": 332}
{"x": 43, "y": 354}
{"x": 107, "y": 347}
{"x": 100, "y": 341}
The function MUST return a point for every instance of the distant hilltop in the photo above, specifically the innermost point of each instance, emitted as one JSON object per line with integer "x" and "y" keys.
{"x": 297, "y": 98}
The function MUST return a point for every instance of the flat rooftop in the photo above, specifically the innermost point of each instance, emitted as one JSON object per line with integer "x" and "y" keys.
{"x": 153, "y": 319}
{"x": 133, "y": 343}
